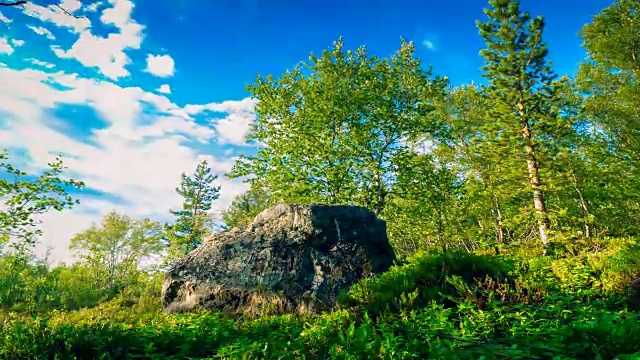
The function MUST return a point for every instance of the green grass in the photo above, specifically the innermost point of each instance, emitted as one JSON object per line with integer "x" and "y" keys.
{"x": 570, "y": 305}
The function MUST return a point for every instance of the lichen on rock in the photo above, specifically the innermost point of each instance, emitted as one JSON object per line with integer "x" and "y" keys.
{"x": 291, "y": 259}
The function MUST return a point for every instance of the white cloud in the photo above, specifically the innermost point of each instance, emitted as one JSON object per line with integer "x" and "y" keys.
{"x": 93, "y": 7}
{"x": 55, "y": 15}
{"x": 430, "y": 45}
{"x": 139, "y": 154}
{"x": 71, "y": 6}
{"x": 164, "y": 89}
{"x": 41, "y": 63}
{"x": 42, "y": 31}
{"x": 108, "y": 54}
{"x": 234, "y": 127}
{"x": 138, "y": 162}
{"x": 160, "y": 65}
{"x": 17, "y": 43}
{"x": 4, "y": 18}
{"x": 5, "y": 47}
{"x": 229, "y": 106}
{"x": 60, "y": 227}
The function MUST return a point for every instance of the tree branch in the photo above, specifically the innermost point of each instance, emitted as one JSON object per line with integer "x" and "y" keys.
{"x": 15, "y": 3}
{"x": 67, "y": 11}
{"x": 24, "y": 2}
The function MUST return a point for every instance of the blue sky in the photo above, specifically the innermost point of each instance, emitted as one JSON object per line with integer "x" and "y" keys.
{"x": 135, "y": 92}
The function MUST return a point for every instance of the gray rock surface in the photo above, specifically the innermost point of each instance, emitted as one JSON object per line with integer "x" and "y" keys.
{"x": 291, "y": 259}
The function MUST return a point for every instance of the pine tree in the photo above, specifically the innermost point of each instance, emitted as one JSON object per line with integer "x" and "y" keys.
{"x": 521, "y": 86}
{"x": 190, "y": 228}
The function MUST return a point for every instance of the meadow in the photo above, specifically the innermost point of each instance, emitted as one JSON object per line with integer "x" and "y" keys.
{"x": 573, "y": 304}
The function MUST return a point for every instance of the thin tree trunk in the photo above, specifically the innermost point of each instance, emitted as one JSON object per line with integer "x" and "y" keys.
{"x": 542, "y": 215}
{"x": 380, "y": 195}
{"x": 495, "y": 209}
{"x": 500, "y": 228}
{"x": 485, "y": 236}
{"x": 584, "y": 208}
{"x": 499, "y": 223}
{"x": 440, "y": 226}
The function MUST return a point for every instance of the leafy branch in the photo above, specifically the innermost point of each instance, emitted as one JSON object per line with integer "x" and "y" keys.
{"x": 24, "y": 200}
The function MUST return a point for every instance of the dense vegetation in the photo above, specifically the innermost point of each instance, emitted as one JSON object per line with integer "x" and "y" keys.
{"x": 514, "y": 208}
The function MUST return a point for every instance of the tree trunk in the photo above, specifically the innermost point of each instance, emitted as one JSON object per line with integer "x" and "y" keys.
{"x": 499, "y": 223}
{"x": 440, "y": 226}
{"x": 496, "y": 213}
{"x": 380, "y": 195}
{"x": 485, "y": 236}
{"x": 542, "y": 215}
{"x": 583, "y": 207}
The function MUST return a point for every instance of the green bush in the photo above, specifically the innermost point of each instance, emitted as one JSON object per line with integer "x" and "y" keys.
{"x": 424, "y": 278}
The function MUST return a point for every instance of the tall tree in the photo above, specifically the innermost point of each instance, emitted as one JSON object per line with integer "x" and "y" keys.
{"x": 26, "y": 197}
{"x": 612, "y": 42}
{"x": 608, "y": 81}
{"x": 193, "y": 220}
{"x": 329, "y": 130}
{"x": 115, "y": 249}
{"x": 470, "y": 147}
{"x": 522, "y": 88}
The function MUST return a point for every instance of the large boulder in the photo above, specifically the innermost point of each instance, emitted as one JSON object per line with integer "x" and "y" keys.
{"x": 291, "y": 259}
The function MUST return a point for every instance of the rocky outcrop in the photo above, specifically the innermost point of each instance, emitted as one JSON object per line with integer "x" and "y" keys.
{"x": 291, "y": 259}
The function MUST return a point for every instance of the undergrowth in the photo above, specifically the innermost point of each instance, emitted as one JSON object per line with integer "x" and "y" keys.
{"x": 568, "y": 305}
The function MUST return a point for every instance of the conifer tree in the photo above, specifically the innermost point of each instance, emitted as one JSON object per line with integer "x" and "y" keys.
{"x": 190, "y": 228}
{"x": 521, "y": 87}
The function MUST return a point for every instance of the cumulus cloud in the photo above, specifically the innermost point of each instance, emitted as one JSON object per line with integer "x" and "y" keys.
{"x": 56, "y": 16}
{"x": 17, "y": 43}
{"x": 71, "y": 6}
{"x": 164, "y": 89}
{"x": 144, "y": 140}
{"x": 5, "y": 47}
{"x": 107, "y": 54}
{"x": 41, "y": 63}
{"x": 137, "y": 163}
{"x": 229, "y": 106}
{"x": 93, "y": 7}
{"x": 233, "y": 128}
{"x": 160, "y": 65}
{"x": 42, "y": 31}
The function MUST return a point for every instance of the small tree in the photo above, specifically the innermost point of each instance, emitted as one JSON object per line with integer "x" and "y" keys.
{"x": 193, "y": 220}
{"x": 115, "y": 249}
{"x": 26, "y": 197}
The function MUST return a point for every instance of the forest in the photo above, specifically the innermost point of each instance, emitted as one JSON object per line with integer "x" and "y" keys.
{"x": 513, "y": 207}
